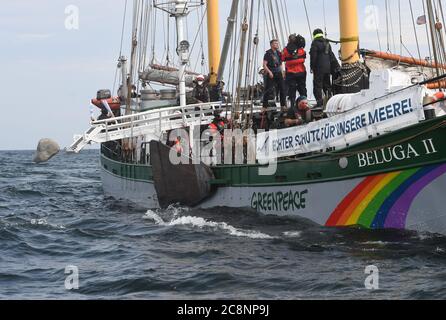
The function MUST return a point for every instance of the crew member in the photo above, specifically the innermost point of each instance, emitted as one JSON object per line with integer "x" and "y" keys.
{"x": 217, "y": 125}
{"x": 299, "y": 114}
{"x": 294, "y": 56}
{"x": 272, "y": 64}
{"x": 200, "y": 92}
{"x": 321, "y": 60}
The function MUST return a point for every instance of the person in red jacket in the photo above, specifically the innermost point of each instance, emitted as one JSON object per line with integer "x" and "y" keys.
{"x": 294, "y": 56}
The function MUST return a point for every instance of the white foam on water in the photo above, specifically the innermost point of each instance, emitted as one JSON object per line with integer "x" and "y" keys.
{"x": 152, "y": 215}
{"x": 424, "y": 236}
{"x": 203, "y": 223}
{"x": 292, "y": 234}
{"x": 41, "y": 222}
{"x": 176, "y": 210}
{"x": 44, "y": 222}
{"x": 380, "y": 243}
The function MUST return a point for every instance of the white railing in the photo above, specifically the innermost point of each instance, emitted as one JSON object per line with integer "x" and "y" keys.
{"x": 150, "y": 123}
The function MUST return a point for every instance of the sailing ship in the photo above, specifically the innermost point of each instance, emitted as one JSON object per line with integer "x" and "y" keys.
{"x": 376, "y": 159}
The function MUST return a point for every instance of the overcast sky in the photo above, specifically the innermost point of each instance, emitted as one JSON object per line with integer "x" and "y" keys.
{"x": 49, "y": 73}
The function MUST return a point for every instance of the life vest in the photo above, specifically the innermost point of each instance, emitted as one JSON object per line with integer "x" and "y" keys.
{"x": 178, "y": 147}
{"x": 274, "y": 60}
{"x": 217, "y": 127}
{"x": 295, "y": 61}
{"x": 114, "y": 103}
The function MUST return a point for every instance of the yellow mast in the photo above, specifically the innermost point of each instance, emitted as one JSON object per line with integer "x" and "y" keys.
{"x": 213, "y": 39}
{"x": 348, "y": 19}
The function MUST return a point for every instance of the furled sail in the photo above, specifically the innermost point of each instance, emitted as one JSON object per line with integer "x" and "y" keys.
{"x": 166, "y": 75}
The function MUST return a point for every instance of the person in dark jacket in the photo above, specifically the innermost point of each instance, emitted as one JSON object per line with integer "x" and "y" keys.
{"x": 299, "y": 114}
{"x": 294, "y": 56}
{"x": 321, "y": 66}
{"x": 200, "y": 92}
{"x": 272, "y": 64}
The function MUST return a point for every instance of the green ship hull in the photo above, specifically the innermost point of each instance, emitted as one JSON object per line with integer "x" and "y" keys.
{"x": 392, "y": 181}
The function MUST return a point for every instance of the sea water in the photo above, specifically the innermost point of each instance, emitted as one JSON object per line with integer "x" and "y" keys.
{"x": 60, "y": 238}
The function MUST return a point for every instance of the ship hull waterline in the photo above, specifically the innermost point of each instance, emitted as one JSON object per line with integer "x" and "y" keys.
{"x": 397, "y": 186}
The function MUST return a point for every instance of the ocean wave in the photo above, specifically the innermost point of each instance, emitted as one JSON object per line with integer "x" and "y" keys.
{"x": 293, "y": 234}
{"x": 14, "y": 191}
{"x": 203, "y": 223}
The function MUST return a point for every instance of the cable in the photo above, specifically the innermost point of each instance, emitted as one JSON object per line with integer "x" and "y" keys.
{"x": 308, "y": 19}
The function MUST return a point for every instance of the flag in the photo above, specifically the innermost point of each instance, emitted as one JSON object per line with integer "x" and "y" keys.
{"x": 421, "y": 20}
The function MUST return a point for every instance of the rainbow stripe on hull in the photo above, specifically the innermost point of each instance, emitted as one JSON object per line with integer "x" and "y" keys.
{"x": 384, "y": 201}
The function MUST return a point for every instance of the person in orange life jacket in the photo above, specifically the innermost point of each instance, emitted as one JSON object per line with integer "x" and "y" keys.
{"x": 176, "y": 144}
{"x": 299, "y": 114}
{"x": 294, "y": 56}
{"x": 217, "y": 125}
{"x": 272, "y": 64}
{"x": 178, "y": 147}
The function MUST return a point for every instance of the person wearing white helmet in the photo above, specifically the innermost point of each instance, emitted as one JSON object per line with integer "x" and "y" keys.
{"x": 200, "y": 92}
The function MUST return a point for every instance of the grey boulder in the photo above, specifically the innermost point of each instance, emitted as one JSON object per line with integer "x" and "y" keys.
{"x": 46, "y": 149}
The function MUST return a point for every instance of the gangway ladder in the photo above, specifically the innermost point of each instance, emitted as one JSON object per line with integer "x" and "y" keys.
{"x": 149, "y": 123}
{"x": 84, "y": 140}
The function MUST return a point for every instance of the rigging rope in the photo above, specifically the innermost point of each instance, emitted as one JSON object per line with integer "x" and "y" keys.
{"x": 387, "y": 26}
{"x": 283, "y": 37}
{"x": 376, "y": 25}
{"x": 120, "y": 47}
{"x": 415, "y": 32}
{"x": 325, "y": 18}
{"x": 308, "y": 19}
{"x": 427, "y": 30}
{"x": 285, "y": 14}
{"x": 400, "y": 26}
{"x": 391, "y": 27}
{"x": 268, "y": 30}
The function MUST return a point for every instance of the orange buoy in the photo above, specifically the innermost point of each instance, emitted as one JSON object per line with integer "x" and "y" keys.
{"x": 114, "y": 103}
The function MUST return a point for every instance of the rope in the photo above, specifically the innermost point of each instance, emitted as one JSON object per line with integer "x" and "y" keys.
{"x": 400, "y": 26}
{"x": 273, "y": 19}
{"x": 249, "y": 53}
{"x": 123, "y": 27}
{"x": 391, "y": 27}
{"x": 267, "y": 29}
{"x": 415, "y": 33}
{"x": 154, "y": 23}
{"x": 282, "y": 34}
{"x": 308, "y": 19}
{"x": 325, "y": 18}
{"x": 387, "y": 26}
{"x": 352, "y": 74}
{"x": 122, "y": 41}
{"x": 376, "y": 25}
{"x": 285, "y": 14}
{"x": 427, "y": 31}
{"x": 199, "y": 33}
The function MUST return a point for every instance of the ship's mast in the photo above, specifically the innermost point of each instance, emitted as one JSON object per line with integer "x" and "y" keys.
{"x": 348, "y": 19}
{"x": 180, "y": 13}
{"x": 213, "y": 40}
{"x": 228, "y": 38}
{"x": 354, "y": 75}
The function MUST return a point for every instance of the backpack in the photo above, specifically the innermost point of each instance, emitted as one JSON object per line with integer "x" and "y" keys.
{"x": 300, "y": 42}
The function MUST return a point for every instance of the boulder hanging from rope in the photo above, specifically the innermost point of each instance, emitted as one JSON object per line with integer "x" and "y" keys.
{"x": 46, "y": 149}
